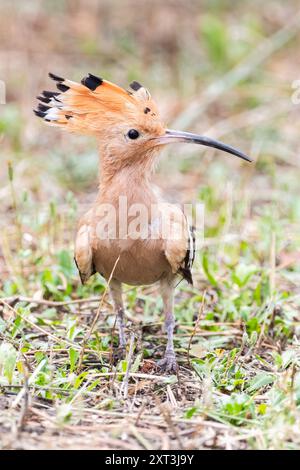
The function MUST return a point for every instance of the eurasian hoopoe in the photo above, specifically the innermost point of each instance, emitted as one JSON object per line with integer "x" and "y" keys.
{"x": 159, "y": 247}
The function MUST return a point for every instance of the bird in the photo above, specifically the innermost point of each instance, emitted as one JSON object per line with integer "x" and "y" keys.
{"x": 130, "y": 235}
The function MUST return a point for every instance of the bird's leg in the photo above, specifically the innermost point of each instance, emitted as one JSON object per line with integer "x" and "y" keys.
{"x": 116, "y": 294}
{"x": 168, "y": 362}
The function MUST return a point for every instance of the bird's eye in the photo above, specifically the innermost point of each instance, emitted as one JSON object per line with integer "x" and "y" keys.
{"x": 133, "y": 134}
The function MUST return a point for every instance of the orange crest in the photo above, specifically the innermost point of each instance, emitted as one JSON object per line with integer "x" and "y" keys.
{"x": 96, "y": 105}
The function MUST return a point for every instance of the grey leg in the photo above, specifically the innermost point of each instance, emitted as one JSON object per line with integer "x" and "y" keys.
{"x": 116, "y": 294}
{"x": 168, "y": 362}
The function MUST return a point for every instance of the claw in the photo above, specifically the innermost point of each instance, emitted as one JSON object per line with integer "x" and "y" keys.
{"x": 168, "y": 363}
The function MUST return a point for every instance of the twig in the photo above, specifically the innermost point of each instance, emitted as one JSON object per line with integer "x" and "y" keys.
{"x": 140, "y": 438}
{"x": 25, "y": 406}
{"x": 49, "y": 303}
{"x": 140, "y": 412}
{"x": 168, "y": 419}
{"x": 272, "y": 264}
{"x": 111, "y": 346}
{"x": 90, "y": 331}
{"x": 196, "y": 326}
{"x": 80, "y": 391}
{"x": 172, "y": 397}
{"x": 124, "y": 387}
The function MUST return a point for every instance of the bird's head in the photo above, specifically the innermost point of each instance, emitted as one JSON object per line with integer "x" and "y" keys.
{"x": 126, "y": 122}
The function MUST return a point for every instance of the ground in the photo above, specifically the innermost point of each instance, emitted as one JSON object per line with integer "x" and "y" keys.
{"x": 214, "y": 68}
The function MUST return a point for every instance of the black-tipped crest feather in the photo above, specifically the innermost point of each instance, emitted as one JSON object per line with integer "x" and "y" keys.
{"x": 62, "y": 87}
{"x": 135, "y": 86}
{"x": 39, "y": 113}
{"x": 43, "y": 108}
{"x": 56, "y": 78}
{"x": 91, "y": 81}
{"x": 50, "y": 94}
{"x": 43, "y": 99}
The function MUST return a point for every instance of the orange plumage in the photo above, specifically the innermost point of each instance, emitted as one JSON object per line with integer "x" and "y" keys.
{"x": 95, "y": 105}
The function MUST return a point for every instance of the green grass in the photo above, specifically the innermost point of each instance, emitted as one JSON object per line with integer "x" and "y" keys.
{"x": 236, "y": 336}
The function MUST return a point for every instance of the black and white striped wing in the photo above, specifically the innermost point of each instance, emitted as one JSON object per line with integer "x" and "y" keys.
{"x": 186, "y": 268}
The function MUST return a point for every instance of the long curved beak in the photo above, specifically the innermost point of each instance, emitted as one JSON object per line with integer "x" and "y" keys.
{"x": 187, "y": 137}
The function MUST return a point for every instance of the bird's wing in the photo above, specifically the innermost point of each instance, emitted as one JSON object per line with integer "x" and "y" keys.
{"x": 179, "y": 247}
{"x": 83, "y": 250}
{"x": 186, "y": 267}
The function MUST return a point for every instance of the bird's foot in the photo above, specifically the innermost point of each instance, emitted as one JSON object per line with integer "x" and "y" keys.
{"x": 168, "y": 363}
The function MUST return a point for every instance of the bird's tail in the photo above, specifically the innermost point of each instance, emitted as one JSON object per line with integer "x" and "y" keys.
{"x": 82, "y": 107}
